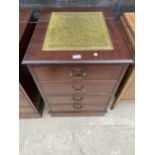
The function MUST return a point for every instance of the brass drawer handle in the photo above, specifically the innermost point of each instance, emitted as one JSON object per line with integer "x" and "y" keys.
{"x": 77, "y": 98}
{"x": 77, "y": 107}
{"x": 78, "y": 88}
{"x": 78, "y": 73}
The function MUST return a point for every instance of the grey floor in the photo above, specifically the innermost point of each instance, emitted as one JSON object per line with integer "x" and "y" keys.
{"x": 112, "y": 134}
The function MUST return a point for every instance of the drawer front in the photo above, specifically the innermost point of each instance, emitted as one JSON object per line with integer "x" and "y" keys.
{"x": 75, "y": 99}
{"x": 68, "y": 88}
{"x": 26, "y": 109}
{"x": 23, "y": 101}
{"x": 90, "y": 72}
{"x": 76, "y": 108}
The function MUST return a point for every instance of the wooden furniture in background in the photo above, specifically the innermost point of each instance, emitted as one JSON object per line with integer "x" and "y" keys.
{"x": 83, "y": 86}
{"x": 30, "y": 101}
{"x": 126, "y": 90}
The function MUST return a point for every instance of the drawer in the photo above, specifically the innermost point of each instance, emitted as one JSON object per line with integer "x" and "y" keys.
{"x": 82, "y": 87}
{"x": 61, "y": 100}
{"x": 23, "y": 102}
{"x": 72, "y": 72}
{"x": 26, "y": 109}
{"x": 76, "y": 108}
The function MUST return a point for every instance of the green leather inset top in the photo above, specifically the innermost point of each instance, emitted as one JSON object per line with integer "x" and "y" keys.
{"x": 77, "y": 31}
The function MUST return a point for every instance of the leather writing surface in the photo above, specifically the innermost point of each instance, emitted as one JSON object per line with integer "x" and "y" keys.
{"x": 77, "y": 31}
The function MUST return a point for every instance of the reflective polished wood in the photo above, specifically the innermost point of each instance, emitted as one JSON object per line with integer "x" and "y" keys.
{"x": 82, "y": 86}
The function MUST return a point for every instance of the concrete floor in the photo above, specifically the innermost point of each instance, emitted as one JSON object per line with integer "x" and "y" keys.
{"x": 112, "y": 134}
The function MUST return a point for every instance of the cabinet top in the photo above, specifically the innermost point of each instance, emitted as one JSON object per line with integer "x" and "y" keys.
{"x": 77, "y": 35}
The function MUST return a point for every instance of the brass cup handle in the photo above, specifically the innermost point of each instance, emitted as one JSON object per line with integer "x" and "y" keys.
{"x": 77, "y": 107}
{"x": 77, "y": 98}
{"x": 78, "y": 88}
{"x": 77, "y": 73}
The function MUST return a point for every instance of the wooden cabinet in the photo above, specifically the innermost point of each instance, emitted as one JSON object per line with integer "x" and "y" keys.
{"x": 30, "y": 101}
{"x": 77, "y": 82}
{"x": 126, "y": 91}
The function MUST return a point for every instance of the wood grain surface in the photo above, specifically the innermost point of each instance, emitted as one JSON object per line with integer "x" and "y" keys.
{"x": 126, "y": 90}
{"x": 77, "y": 72}
{"x": 24, "y": 17}
{"x": 30, "y": 100}
{"x": 35, "y": 55}
{"x": 129, "y": 92}
{"x": 130, "y": 20}
{"x": 128, "y": 35}
{"x": 65, "y": 83}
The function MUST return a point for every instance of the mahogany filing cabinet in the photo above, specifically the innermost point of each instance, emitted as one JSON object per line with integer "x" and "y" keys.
{"x": 30, "y": 101}
{"x": 77, "y": 67}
